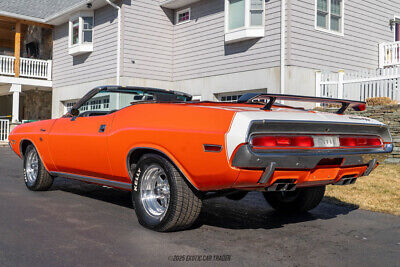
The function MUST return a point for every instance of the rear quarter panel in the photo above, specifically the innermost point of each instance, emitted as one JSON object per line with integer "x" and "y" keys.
{"x": 179, "y": 131}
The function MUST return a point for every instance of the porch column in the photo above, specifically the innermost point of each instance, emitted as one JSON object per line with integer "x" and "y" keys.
{"x": 16, "y": 90}
{"x": 17, "y": 48}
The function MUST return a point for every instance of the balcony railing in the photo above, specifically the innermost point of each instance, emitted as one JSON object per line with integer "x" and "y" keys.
{"x": 389, "y": 54}
{"x": 30, "y": 68}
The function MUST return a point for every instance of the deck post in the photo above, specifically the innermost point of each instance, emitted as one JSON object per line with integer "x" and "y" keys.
{"x": 17, "y": 48}
{"x": 340, "y": 85}
{"x": 16, "y": 90}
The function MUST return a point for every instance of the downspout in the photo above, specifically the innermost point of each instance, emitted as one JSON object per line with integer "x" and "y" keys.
{"x": 283, "y": 46}
{"x": 118, "y": 40}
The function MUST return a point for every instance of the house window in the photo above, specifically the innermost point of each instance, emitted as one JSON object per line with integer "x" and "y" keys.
{"x": 236, "y": 14}
{"x": 329, "y": 15}
{"x": 75, "y": 32}
{"x": 229, "y": 98}
{"x": 69, "y": 105}
{"x": 87, "y": 29}
{"x": 183, "y": 16}
{"x": 81, "y": 33}
{"x": 244, "y": 19}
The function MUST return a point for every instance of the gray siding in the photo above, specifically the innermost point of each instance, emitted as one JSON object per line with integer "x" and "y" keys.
{"x": 366, "y": 24}
{"x": 100, "y": 64}
{"x": 200, "y": 50}
{"x": 148, "y": 40}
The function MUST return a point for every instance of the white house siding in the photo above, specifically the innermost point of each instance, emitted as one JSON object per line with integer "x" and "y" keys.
{"x": 148, "y": 40}
{"x": 200, "y": 51}
{"x": 98, "y": 65}
{"x": 366, "y": 24}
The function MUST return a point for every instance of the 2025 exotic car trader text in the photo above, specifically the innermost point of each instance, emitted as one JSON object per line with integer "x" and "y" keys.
{"x": 172, "y": 152}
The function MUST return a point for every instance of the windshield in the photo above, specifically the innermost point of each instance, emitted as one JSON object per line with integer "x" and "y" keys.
{"x": 112, "y": 100}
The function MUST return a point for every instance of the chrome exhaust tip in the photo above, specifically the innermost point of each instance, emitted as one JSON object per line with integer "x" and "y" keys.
{"x": 282, "y": 185}
{"x": 346, "y": 181}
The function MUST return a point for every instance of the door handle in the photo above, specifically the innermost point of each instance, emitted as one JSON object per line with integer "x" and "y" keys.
{"x": 102, "y": 128}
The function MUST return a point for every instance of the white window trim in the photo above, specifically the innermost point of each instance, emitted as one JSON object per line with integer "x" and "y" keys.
{"x": 80, "y": 47}
{"x": 246, "y": 32}
{"x": 177, "y": 13}
{"x": 341, "y": 33}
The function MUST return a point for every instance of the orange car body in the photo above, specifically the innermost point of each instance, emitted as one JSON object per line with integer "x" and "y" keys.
{"x": 181, "y": 131}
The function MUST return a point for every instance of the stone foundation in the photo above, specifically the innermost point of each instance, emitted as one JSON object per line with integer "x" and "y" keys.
{"x": 390, "y": 115}
{"x": 36, "y": 105}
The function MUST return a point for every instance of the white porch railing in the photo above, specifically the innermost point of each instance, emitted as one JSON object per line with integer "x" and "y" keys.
{"x": 359, "y": 85}
{"x": 31, "y": 68}
{"x": 4, "y": 129}
{"x": 389, "y": 54}
{"x": 7, "y": 65}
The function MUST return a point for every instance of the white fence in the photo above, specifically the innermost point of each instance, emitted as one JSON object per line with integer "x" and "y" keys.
{"x": 4, "y": 129}
{"x": 31, "y": 68}
{"x": 389, "y": 54}
{"x": 359, "y": 85}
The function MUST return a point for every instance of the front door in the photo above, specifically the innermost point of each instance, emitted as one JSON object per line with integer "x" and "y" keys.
{"x": 79, "y": 145}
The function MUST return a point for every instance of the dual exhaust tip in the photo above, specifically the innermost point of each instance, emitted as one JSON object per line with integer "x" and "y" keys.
{"x": 287, "y": 185}
{"x": 282, "y": 185}
{"x": 346, "y": 181}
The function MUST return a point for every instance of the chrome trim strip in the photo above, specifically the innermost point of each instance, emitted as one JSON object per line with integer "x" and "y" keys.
{"x": 318, "y": 152}
{"x": 102, "y": 181}
{"x": 300, "y": 127}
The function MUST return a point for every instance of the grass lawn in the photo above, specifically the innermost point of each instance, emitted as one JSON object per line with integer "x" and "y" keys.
{"x": 380, "y": 191}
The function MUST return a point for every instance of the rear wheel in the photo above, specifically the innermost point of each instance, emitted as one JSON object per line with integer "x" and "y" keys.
{"x": 163, "y": 200}
{"x": 35, "y": 174}
{"x": 300, "y": 200}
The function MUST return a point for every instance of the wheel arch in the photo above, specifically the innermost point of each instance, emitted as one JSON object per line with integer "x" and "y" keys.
{"x": 136, "y": 153}
{"x": 23, "y": 145}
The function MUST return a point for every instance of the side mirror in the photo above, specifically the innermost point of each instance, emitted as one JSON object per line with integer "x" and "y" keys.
{"x": 74, "y": 112}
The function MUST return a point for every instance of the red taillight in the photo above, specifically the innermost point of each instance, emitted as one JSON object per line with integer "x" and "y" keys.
{"x": 303, "y": 141}
{"x": 293, "y": 141}
{"x": 359, "y": 141}
{"x": 348, "y": 141}
{"x": 282, "y": 141}
{"x": 374, "y": 142}
{"x": 264, "y": 141}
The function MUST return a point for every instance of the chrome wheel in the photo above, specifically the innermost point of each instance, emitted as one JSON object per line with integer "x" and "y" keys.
{"x": 32, "y": 166}
{"x": 154, "y": 191}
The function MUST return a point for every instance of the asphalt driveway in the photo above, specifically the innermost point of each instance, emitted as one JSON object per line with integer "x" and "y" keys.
{"x": 81, "y": 224}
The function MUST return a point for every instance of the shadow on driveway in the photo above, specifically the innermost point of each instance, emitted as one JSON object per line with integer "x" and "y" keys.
{"x": 252, "y": 212}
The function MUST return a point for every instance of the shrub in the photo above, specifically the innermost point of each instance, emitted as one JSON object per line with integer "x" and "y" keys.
{"x": 380, "y": 101}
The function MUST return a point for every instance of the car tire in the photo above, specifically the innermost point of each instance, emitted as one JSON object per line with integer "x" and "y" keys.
{"x": 298, "y": 201}
{"x": 162, "y": 198}
{"x": 35, "y": 174}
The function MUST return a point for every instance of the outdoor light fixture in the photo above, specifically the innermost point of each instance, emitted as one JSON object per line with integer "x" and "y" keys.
{"x": 393, "y": 21}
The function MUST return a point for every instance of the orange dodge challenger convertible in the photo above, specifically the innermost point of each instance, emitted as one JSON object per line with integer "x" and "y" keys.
{"x": 172, "y": 152}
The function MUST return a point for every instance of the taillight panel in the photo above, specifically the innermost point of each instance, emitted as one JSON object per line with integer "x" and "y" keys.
{"x": 314, "y": 141}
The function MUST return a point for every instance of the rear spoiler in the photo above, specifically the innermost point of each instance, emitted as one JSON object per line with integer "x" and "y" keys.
{"x": 271, "y": 98}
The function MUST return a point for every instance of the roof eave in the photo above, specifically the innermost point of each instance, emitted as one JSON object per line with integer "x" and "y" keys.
{"x": 63, "y": 16}
{"x": 174, "y": 4}
{"x": 21, "y": 17}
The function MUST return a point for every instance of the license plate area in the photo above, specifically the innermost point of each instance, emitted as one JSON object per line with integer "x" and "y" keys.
{"x": 326, "y": 141}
